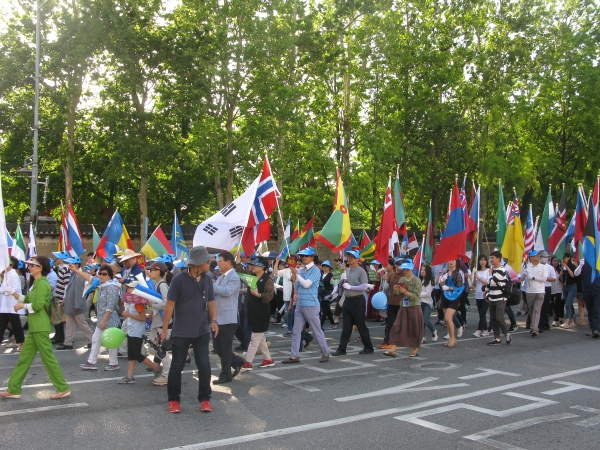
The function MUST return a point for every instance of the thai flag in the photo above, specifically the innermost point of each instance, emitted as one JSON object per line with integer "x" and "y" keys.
{"x": 529, "y": 232}
{"x": 265, "y": 199}
{"x": 74, "y": 233}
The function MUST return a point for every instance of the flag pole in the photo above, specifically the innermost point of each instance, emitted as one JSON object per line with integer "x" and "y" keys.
{"x": 287, "y": 243}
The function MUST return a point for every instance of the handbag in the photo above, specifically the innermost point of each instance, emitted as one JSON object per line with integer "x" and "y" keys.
{"x": 341, "y": 300}
{"x": 455, "y": 294}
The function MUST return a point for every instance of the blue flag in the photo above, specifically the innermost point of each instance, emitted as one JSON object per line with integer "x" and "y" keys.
{"x": 177, "y": 242}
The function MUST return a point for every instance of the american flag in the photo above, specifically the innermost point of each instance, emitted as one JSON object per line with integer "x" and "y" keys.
{"x": 529, "y": 232}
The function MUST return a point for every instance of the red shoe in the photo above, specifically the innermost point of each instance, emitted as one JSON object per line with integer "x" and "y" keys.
{"x": 267, "y": 363}
{"x": 205, "y": 406}
{"x": 385, "y": 346}
{"x": 246, "y": 366}
{"x": 174, "y": 407}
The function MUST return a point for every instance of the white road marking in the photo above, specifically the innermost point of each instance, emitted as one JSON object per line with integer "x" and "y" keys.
{"x": 484, "y": 436}
{"x": 488, "y": 372}
{"x": 406, "y": 387}
{"x": 416, "y": 417}
{"x": 295, "y": 383}
{"x": 592, "y": 421}
{"x": 328, "y": 424}
{"x": 357, "y": 365}
{"x": 416, "y": 358}
{"x": 41, "y": 409}
{"x": 570, "y": 387}
{"x": 268, "y": 376}
{"x": 435, "y": 366}
{"x": 95, "y": 380}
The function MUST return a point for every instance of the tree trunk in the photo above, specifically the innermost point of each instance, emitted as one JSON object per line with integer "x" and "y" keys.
{"x": 218, "y": 187}
{"x": 230, "y": 112}
{"x": 143, "y": 196}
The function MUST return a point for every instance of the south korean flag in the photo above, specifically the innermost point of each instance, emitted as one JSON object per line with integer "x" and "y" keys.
{"x": 224, "y": 229}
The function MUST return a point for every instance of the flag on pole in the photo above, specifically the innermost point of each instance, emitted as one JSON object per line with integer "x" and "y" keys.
{"x": 115, "y": 235}
{"x": 529, "y": 238}
{"x": 556, "y": 240}
{"x": 296, "y": 232}
{"x": 590, "y": 238}
{"x": 399, "y": 213}
{"x": 352, "y": 245}
{"x": 285, "y": 242}
{"x": 177, "y": 241}
{"x": 18, "y": 248}
{"x": 580, "y": 221}
{"x": 514, "y": 244}
{"x": 473, "y": 218}
{"x": 4, "y": 237}
{"x": 452, "y": 246}
{"x": 74, "y": 233}
{"x": 428, "y": 243}
{"x": 363, "y": 239}
{"x": 157, "y": 245}
{"x": 31, "y": 251}
{"x": 368, "y": 252}
{"x": 304, "y": 239}
{"x": 547, "y": 222}
{"x": 224, "y": 229}
{"x": 386, "y": 227}
{"x": 9, "y": 240}
{"x": 501, "y": 219}
{"x": 95, "y": 239}
{"x": 336, "y": 233}
{"x": 539, "y": 242}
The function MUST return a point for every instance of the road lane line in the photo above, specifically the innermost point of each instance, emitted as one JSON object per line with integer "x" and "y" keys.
{"x": 41, "y": 409}
{"x": 327, "y": 424}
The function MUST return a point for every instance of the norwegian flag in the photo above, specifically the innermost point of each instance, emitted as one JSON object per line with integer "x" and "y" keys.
{"x": 266, "y": 197}
{"x": 529, "y": 232}
{"x": 265, "y": 200}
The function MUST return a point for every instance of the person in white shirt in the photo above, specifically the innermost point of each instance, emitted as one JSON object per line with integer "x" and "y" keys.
{"x": 536, "y": 275}
{"x": 558, "y": 303}
{"x": 481, "y": 278}
{"x": 547, "y": 305}
{"x": 7, "y": 302}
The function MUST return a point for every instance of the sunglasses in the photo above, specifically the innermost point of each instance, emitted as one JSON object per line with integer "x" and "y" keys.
{"x": 33, "y": 265}
{"x": 151, "y": 269}
{"x": 103, "y": 274}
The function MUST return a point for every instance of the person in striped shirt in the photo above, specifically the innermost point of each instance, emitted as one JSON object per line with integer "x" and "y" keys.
{"x": 497, "y": 299}
{"x": 64, "y": 275}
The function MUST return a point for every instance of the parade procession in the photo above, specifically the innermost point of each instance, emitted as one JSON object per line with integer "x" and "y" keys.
{"x": 291, "y": 224}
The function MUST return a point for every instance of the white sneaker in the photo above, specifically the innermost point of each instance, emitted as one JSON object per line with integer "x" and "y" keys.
{"x": 435, "y": 336}
{"x": 486, "y": 333}
{"x": 555, "y": 324}
{"x": 477, "y": 334}
{"x": 284, "y": 325}
{"x": 565, "y": 325}
{"x": 160, "y": 381}
{"x": 573, "y": 325}
{"x": 447, "y": 337}
{"x": 459, "y": 331}
{"x": 424, "y": 340}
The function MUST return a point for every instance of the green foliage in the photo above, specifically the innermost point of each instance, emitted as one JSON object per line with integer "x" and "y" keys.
{"x": 196, "y": 95}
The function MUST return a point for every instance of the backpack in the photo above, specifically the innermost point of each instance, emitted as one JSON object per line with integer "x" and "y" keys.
{"x": 512, "y": 293}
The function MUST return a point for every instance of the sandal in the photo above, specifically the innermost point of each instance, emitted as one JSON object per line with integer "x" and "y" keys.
{"x": 391, "y": 355}
{"x": 449, "y": 346}
{"x": 358, "y": 340}
{"x": 412, "y": 355}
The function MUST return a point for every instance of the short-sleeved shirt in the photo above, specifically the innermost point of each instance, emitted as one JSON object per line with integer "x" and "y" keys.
{"x": 191, "y": 297}
{"x": 483, "y": 275}
{"x": 135, "y": 328}
{"x": 355, "y": 277}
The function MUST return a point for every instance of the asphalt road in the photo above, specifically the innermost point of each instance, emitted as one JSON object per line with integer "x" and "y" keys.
{"x": 538, "y": 393}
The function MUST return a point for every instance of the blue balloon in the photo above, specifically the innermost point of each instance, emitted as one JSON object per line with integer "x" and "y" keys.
{"x": 379, "y": 301}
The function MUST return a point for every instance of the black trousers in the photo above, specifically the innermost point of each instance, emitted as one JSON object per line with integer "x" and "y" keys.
{"x": 222, "y": 345}
{"x": 326, "y": 313}
{"x": 546, "y": 308}
{"x": 15, "y": 325}
{"x": 462, "y": 308}
{"x": 353, "y": 310}
{"x": 392, "y": 313}
{"x": 436, "y": 295}
{"x": 558, "y": 306}
{"x": 59, "y": 332}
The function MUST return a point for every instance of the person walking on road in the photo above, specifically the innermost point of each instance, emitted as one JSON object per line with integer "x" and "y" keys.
{"x": 497, "y": 299}
{"x": 355, "y": 282}
{"x": 308, "y": 307}
{"x": 191, "y": 304}
{"x": 37, "y": 306}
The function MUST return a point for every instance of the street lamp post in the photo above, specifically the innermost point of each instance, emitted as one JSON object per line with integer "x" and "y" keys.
{"x": 36, "y": 107}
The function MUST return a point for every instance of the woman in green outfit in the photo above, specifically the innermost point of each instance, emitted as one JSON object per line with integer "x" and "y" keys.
{"x": 36, "y": 305}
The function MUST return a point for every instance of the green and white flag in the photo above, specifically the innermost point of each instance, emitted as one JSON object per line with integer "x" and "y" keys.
{"x": 250, "y": 280}
{"x": 501, "y": 220}
{"x": 18, "y": 248}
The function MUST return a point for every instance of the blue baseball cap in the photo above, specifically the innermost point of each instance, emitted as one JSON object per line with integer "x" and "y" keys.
{"x": 51, "y": 262}
{"x": 534, "y": 252}
{"x": 61, "y": 255}
{"x": 399, "y": 260}
{"x": 354, "y": 253}
{"x": 376, "y": 262}
{"x": 407, "y": 265}
{"x": 73, "y": 260}
{"x": 308, "y": 251}
{"x": 326, "y": 263}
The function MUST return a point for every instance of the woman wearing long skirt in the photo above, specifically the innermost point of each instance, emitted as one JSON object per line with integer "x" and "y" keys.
{"x": 407, "y": 330}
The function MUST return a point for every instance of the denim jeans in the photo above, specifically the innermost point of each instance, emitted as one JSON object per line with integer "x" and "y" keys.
{"x": 427, "y": 316}
{"x": 569, "y": 293}
{"x": 180, "y": 353}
